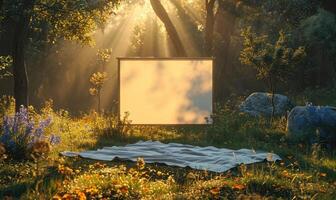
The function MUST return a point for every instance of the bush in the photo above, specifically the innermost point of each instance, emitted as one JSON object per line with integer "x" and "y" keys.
{"x": 20, "y": 135}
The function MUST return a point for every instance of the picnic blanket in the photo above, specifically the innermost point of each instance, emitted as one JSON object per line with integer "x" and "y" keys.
{"x": 182, "y": 155}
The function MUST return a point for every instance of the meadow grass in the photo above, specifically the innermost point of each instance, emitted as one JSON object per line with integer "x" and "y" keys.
{"x": 306, "y": 171}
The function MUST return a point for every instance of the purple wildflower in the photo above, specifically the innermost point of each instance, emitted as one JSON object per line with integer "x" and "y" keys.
{"x": 19, "y": 131}
{"x": 54, "y": 139}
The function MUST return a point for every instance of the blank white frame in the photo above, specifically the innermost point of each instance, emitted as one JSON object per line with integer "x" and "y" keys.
{"x": 166, "y": 91}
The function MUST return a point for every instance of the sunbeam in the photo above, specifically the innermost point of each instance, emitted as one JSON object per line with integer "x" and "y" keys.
{"x": 133, "y": 30}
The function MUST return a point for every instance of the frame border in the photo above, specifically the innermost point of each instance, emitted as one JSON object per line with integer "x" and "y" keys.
{"x": 166, "y": 58}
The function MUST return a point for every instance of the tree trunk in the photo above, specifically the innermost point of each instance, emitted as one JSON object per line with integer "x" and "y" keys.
{"x": 209, "y": 26}
{"x": 225, "y": 20}
{"x": 171, "y": 30}
{"x": 19, "y": 65}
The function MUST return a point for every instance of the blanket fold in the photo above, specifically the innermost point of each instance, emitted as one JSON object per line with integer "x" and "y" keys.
{"x": 181, "y": 155}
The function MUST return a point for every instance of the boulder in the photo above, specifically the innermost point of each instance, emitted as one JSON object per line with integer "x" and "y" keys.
{"x": 313, "y": 123}
{"x": 260, "y": 104}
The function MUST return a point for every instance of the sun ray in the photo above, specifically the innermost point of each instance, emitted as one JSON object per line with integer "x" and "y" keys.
{"x": 118, "y": 35}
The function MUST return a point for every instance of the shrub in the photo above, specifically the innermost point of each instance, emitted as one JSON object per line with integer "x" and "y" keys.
{"x": 20, "y": 134}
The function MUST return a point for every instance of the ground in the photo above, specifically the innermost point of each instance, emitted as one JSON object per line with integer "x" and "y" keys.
{"x": 306, "y": 171}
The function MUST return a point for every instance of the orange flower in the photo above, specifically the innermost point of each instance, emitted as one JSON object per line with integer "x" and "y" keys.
{"x": 56, "y": 197}
{"x": 81, "y": 195}
{"x": 238, "y": 187}
{"x": 65, "y": 170}
{"x": 67, "y": 197}
{"x": 322, "y": 174}
{"x": 123, "y": 189}
{"x": 215, "y": 191}
{"x": 91, "y": 191}
{"x": 286, "y": 174}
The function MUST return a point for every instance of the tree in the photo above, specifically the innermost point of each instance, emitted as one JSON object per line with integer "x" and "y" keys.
{"x": 319, "y": 34}
{"x": 209, "y": 26}
{"x": 223, "y": 51}
{"x": 97, "y": 81}
{"x": 171, "y": 30}
{"x": 71, "y": 20}
{"x": 273, "y": 62}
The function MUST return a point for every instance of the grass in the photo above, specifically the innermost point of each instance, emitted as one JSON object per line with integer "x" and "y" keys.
{"x": 306, "y": 172}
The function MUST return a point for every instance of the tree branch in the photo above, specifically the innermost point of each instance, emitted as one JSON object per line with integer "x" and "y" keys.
{"x": 171, "y": 30}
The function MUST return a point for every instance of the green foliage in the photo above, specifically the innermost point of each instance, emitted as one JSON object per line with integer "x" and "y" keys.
{"x": 74, "y": 20}
{"x": 304, "y": 172}
{"x": 320, "y": 30}
{"x": 270, "y": 16}
{"x": 7, "y": 104}
{"x": 97, "y": 80}
{"x": 319, "y": 34}
{"x": 5, "y": 64}
{"x": 70, "y": 20}
{"x": 104, "y": 56}
{"x": 272, "y": 61}
{"x": 317, "y": 96}
{"x": 23, "y": 138}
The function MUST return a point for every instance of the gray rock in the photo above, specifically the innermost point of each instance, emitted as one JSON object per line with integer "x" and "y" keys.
{"x": 313, "y": 123}
{"x": 260, "y": 104}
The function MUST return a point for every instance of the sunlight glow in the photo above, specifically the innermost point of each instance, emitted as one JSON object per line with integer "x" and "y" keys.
{"x": 119, "y": 35}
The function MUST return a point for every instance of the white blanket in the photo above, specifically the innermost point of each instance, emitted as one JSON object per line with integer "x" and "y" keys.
{"x": 182, "y": 155}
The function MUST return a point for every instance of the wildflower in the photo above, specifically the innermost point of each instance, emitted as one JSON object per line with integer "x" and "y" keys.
{"x": 123, "y": 189}
{"x": 322, "y": 174}
{"x": 65, "y": 170}
{"x": 67, "y": 197}
{"x": 54, "y": 139}
{"x": 20, "y": 134}
{"x": 91, "y": 191}
{"x": 286, "y": 174}
{"x": 238, "y": 187}
{"x": 215, "y": 191}
{"x": 140, "y": 163}
{"x": 81, "y": 195}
